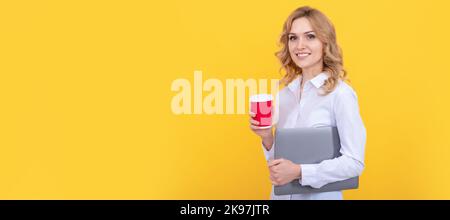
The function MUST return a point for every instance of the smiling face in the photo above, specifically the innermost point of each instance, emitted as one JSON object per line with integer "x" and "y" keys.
{"x": 305, "y": 48}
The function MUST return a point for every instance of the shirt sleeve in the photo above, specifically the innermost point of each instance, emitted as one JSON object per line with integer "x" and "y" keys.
{"x": 269, "y": 154}
{"x": 352, "y": 134}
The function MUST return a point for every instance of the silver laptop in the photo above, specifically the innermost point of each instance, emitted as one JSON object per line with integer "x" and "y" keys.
{"x": 309, "y": 146}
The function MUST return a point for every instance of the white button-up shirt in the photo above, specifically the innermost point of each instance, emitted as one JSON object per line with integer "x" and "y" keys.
{"x": 338, "y": 109}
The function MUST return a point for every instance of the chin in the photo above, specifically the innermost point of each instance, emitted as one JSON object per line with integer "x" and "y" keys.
{"x": 304, "y": 65}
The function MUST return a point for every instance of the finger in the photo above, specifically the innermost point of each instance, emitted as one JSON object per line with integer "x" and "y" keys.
{"x": 272, "y": 170}
{"x": 253, "y": 127}
{"x": 275, "y": 162}
{"x": 273, "y": 165}
{"x": 254, "y": 122}
{"x": 252, "y": 114}
{"x": 271, "y": 162}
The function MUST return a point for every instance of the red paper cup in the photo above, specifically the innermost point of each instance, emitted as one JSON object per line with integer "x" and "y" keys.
{"x": 261, "y": 105}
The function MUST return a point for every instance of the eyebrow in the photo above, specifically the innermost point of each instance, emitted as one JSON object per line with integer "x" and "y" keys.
{"x": 307, "y": 32}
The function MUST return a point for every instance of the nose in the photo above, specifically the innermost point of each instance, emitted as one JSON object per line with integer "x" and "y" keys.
{"x": 301, "y": 43}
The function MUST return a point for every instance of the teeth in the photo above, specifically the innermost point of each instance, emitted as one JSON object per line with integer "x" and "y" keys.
{"x": 302, "y": 54}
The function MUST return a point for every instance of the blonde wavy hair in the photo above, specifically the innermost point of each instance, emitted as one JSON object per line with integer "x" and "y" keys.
{"x": 332, "y": 54}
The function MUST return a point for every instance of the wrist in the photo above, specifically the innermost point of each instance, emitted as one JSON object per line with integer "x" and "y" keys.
{"x": 267, "y": 142}
{"x": 299, "y": 171}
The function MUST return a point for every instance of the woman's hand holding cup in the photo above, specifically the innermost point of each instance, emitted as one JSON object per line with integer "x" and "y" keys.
{"x": 261, "y": 118}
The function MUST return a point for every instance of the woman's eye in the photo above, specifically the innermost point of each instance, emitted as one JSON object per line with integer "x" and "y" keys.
{"x": 292, "y": 38}
{"x": 310, "y": 36}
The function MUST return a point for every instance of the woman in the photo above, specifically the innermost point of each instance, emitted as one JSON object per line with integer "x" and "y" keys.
{"x": 314, "y": 95}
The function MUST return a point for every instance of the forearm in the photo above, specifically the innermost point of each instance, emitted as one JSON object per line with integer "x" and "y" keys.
{"x": 328, "y": 171}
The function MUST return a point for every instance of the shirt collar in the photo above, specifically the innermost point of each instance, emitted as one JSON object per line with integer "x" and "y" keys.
{"x": 317, "y": 81}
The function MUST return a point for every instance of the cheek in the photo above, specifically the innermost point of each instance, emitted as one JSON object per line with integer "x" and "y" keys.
{"x": 291, "y": 52}
{"x": 318, "y": 47}
{"x": 291, "y": 48}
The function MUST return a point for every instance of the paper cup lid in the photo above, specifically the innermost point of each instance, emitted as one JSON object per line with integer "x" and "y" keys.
{"x": 261, "y": 98}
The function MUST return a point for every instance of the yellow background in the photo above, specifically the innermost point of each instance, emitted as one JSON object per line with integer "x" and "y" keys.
{"x": 85, "y": 96}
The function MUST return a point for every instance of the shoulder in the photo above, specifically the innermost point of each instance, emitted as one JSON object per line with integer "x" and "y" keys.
{"x": 344, "y": 90}
{"x": 284, "y": 91}
{"x": 344, "y": 95}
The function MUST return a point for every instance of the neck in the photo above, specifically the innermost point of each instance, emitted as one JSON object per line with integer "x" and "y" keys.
{"x": 309, "y": 73}
{"x": 307, "y": 76}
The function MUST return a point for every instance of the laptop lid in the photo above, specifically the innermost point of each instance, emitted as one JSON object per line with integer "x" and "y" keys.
{"x": 309, "y": 146}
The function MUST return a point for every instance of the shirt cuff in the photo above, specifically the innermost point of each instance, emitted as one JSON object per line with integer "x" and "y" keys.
{"x": 308, "y": 174}
{"x": 269, "y": 154}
